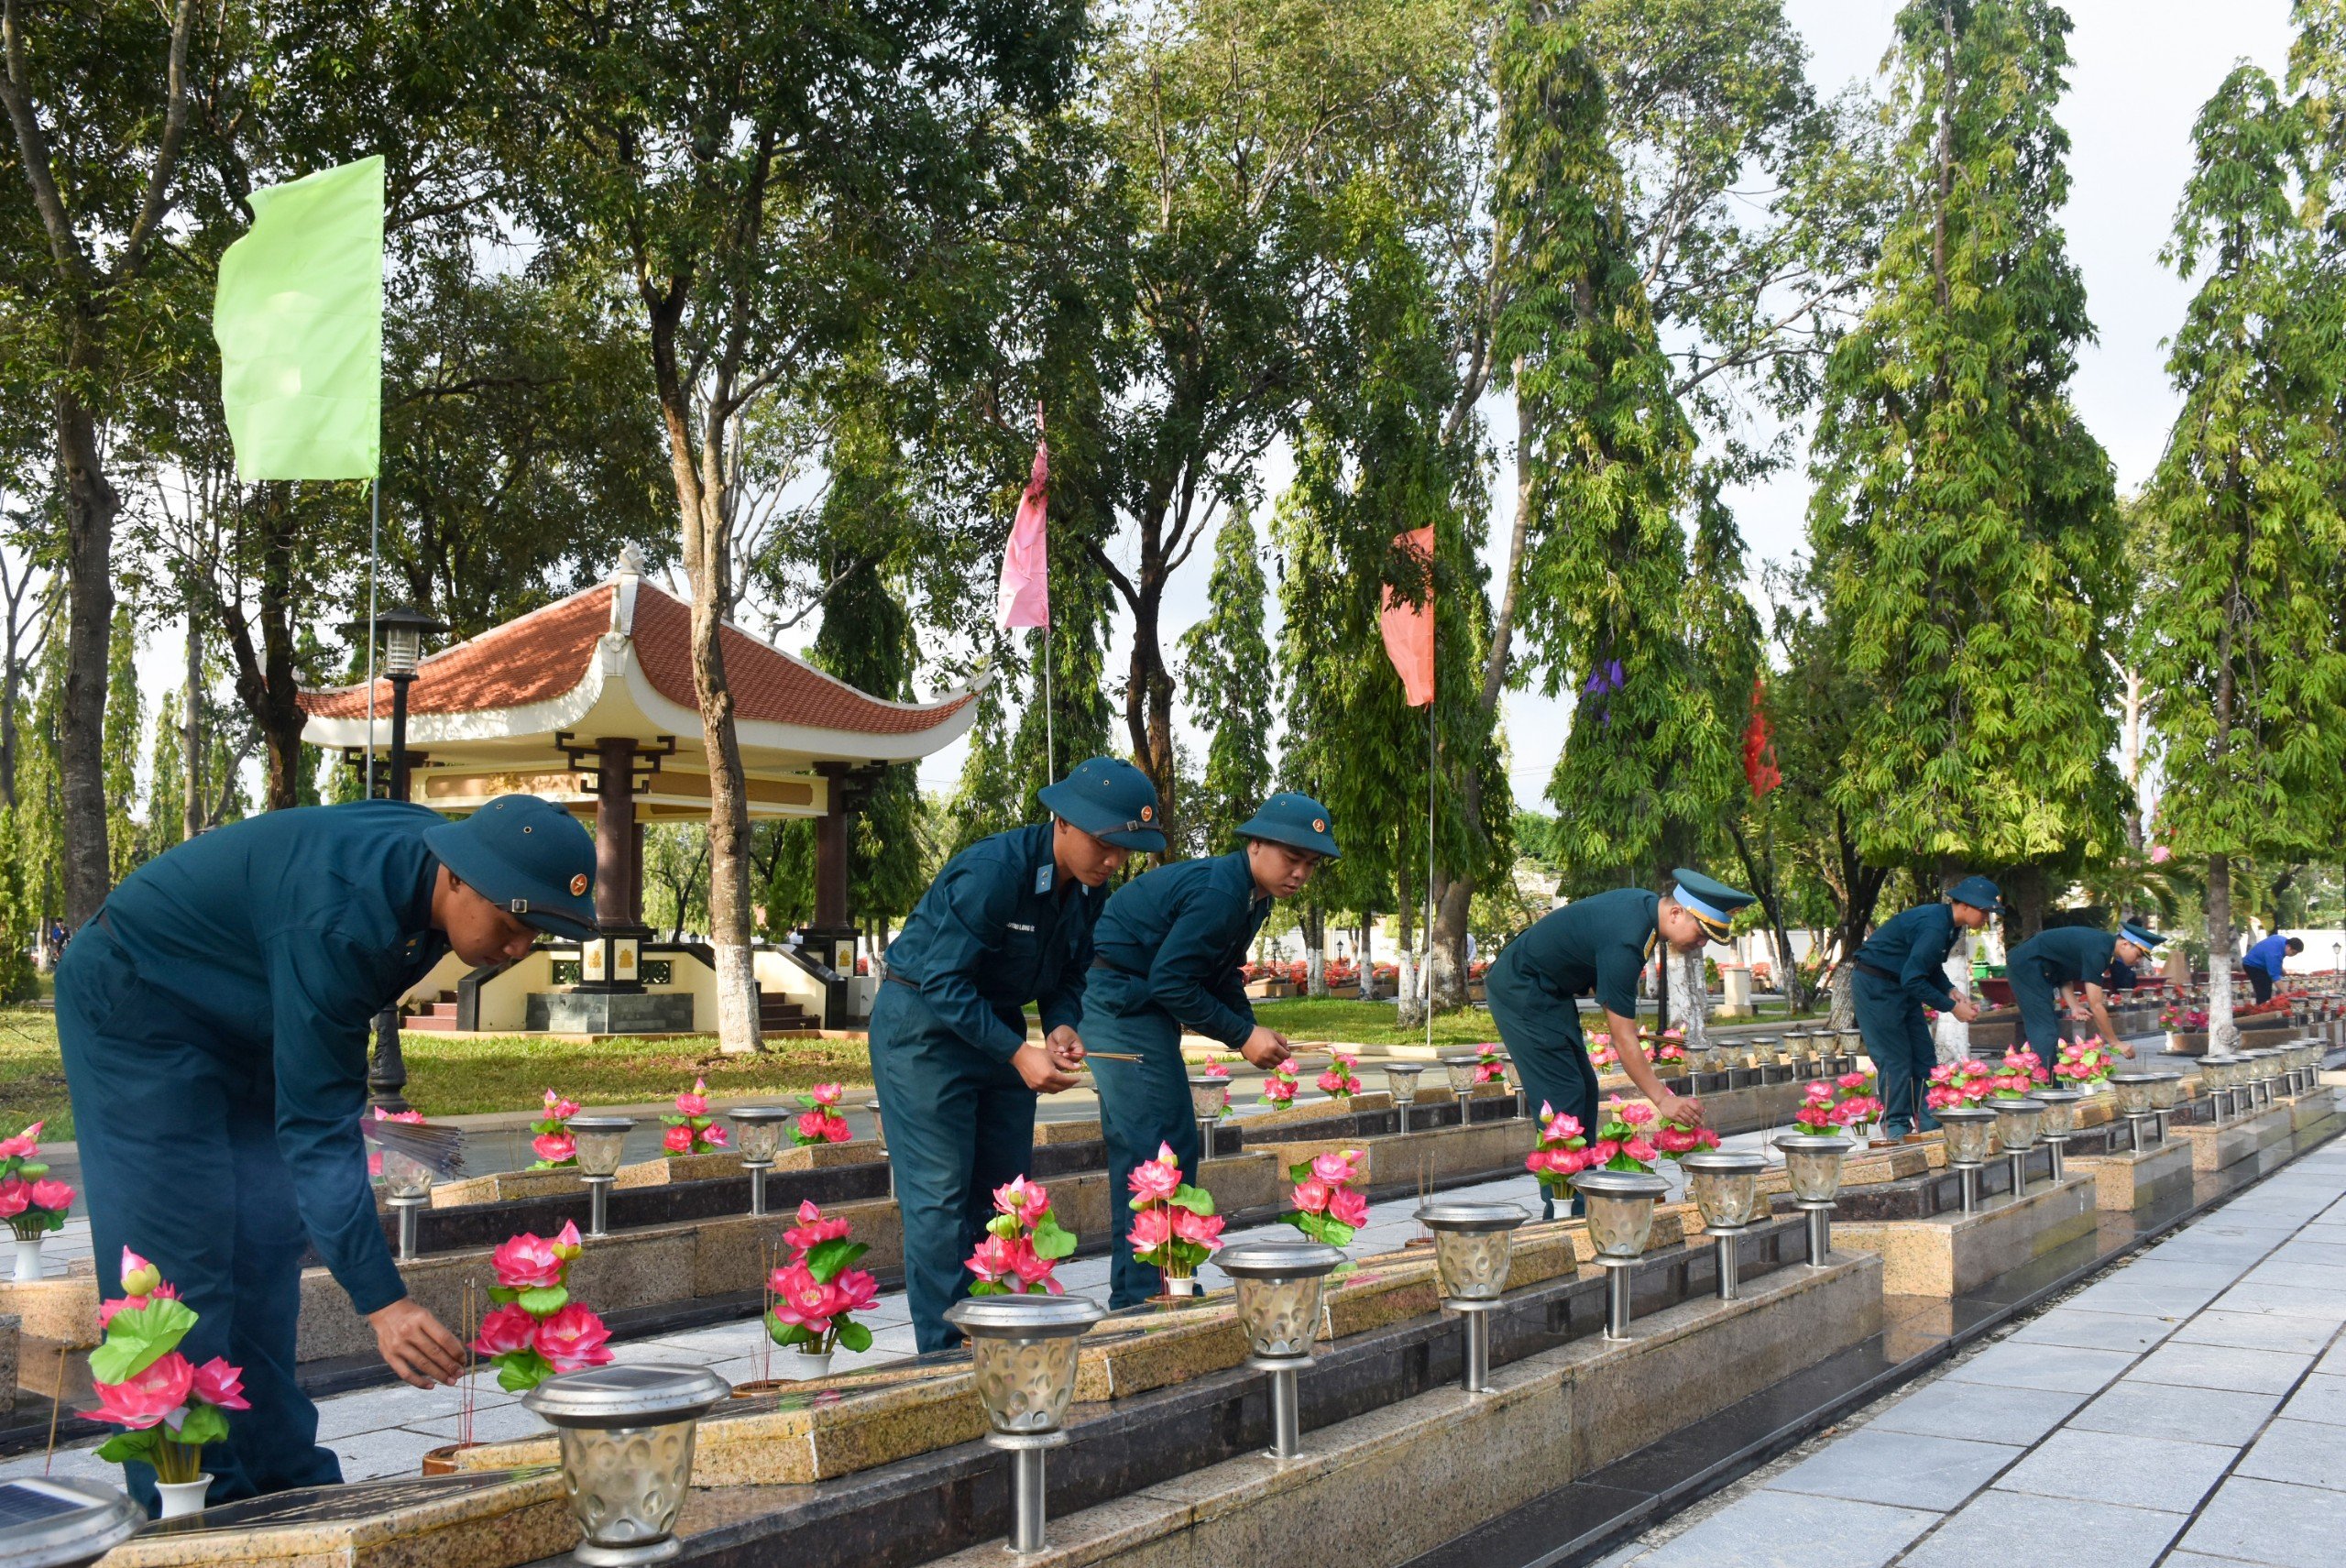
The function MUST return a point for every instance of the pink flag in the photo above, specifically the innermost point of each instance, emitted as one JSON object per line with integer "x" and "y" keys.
{"x": 1025, "y": 599}
{"x": 1408, "y": 627}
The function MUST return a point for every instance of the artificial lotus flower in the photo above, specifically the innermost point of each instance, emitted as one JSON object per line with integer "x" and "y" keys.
{"x": 1311, "y": 1195}
{"x": 694, "y": 1101}
{"x": 1198, "y": 1230}
{"x": 677, "y": 1139}
{"x": 1157, "y": 1178}
{"x": 505, "y": 1331}
{"x": 1151, "y": 1228}
{"x": 1348, "y": 1206}
{"x": 25, "y": 1144}
{"x": 218, "y": 1383}
{"x": 812, "y": 1229}
{"x": 829, "y": 1094}
{"x": 16, "y": 1197}
{"x": 1024, "y": 1201}
{"x": 528, "y": 1262}
{"x": 148, "y": 1397}
{"x": 1035, "y": 1271}
{"x": 990, "y": 1262}
{"x": 554, "y": 1148}
{"x": 558, "y": 1109}
{"x": 573, "y": 1338}
{"x": 138, "y": 1276}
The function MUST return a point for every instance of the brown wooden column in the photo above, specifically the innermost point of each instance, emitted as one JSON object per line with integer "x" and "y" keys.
{"x": 619, "y": 907}
{"x": 831, "y": 854}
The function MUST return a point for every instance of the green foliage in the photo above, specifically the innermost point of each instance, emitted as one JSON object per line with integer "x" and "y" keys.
{"x": 1227, "y": 672}
{"x": 137, "y": 1339}
{"x": 167, "y": 776}
{"x": 124, "y": 727}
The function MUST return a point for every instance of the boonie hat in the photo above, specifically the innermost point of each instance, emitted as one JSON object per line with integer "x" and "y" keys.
{"x": 1295, "y": 820}
{"x": 1112, "y": 801}
{"x": 1978, "y": 893}
{"x": 527, "y": 855}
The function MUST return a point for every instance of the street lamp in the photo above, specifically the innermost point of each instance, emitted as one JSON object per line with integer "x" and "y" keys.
{"x": 400, "y": 629}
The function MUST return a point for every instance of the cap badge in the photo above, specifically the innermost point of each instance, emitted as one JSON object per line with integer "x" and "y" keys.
{"x": 579, "y": 885}
{"x": 1318, "y": 825}
{"x": 1147, "y": 812}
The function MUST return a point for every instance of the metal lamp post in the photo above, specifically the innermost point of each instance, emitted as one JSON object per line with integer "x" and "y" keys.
{"x": 1279, "y": 1287}
{"x": 400, "y": 629}
{"x": 1724, "y": 1185}
{"x": 1813, "y": 1171}
{"x": 1472, "y": 1249}
{"x": 1620, "y": 1205}
{"x": 2058, "y": 1121}
{"x": 627, "y": 1454}
{"x": 1967, "y": 1128}
{"x": 757, "y": 1135}
{"x": 406, "y": 1184}
{"x": 2166, "y": 1090}
{"x": 2216, "y": 1079}
{"x": 601, "y": 1141}
{"x": 1401, "y": 1079}
{"x": 1023, "y": 1351}
{"x": 2133, "y": 1091}
{"x": 2018, "y": 1122}
{"x": 1208, "y": 1096}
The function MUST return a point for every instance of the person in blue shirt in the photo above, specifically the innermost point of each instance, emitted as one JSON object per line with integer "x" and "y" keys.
{"x": 1167, "y": 959}
{"x": 1007, "y": 923}
{"x": 215, "y": 1018}
{"x": 1900, "y": 971}
{"x": 2266, "y": 959}
{"x": 2065, "y": 960}
{"x": 1601, "y": 945}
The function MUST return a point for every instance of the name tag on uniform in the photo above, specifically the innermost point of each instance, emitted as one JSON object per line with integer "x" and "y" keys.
{"x": 1017, "y": 926}
{"x": 1042, "y": 882}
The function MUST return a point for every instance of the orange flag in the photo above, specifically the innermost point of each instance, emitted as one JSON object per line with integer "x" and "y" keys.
{"x": 1408, "y": 627}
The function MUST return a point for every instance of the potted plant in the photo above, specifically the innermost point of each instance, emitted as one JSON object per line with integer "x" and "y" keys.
{"x": 814, "y": 1291}
{"x": 1279, "y": 1089}
{"x": 1023, "y": 1244}
{"x": 819, "y": 1121}
{"x": 1964, "y": 1082}
{"x": 538, "y": 1328}
{"x": 1339, "y": 1082}
{"x": 1561, "y": 1152}
{"x": 167, "y": 1407}
{"x": 1328, "y": 1207}
{"x": 2084, "y": 1064}
{"x": 553, "y": 1145}
{"x": 692, "y": 1130}
{"x": 1174, "y": 1226}
{"x": 1631, "y": 1138}
{"x": 33, "y": 1205}
{"x": 1490, "y": 1065}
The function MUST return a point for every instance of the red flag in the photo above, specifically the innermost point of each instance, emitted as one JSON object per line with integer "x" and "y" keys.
{"x": 1408, "y": 627}
{"x": 1759, "y": 747}
{"x": 1025, "y": 594}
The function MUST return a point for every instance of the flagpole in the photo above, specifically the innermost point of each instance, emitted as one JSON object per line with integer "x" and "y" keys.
{"x": 1433, "y": 773}
{"x": 1050, "y": 744}
{"x": 374, "y": 532}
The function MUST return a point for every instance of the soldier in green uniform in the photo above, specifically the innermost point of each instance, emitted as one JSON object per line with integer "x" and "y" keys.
{"x": 1168, "y": 953}
{"x": 2065, "y": 958}
{"x": 1599, "y": 945}
{"x": 1007, "y": 923}
{"x": 1900, "y": 971}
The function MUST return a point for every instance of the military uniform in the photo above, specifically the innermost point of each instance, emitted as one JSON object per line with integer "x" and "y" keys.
{"x": 1900, "y": 971}
{"x": 214, "y": 1019}
{"x": 2065, "y": 955}
{"x": 1168, "y": 955}
{"x": 1599, "y": 945}
{"x": 998, "y": 929}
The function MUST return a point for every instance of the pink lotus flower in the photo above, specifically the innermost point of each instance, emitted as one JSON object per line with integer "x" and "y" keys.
{"x": 714, "y": 1137}
{"x": 813, "y": 1126}
{"x": 1311, "y": 1195}
{"x": 1279, "y": 1090}
{"x": 812, "y": 1230}
{"x": 1158, "y": 1179}
{"x": 1034, "y": 1270}
{"x": 677, "y": 1139}
{"x": 147, "y": 1398}
{"x": 1029, "y": 1201}
{"x": 857, "y": 1290}
{"x": 827, "y": 1094}
{"x": 1640, "y": 1149}
{"x": 558, "y": 1109}
{"x": 555, "y": 1148}
{"x": 1213, "y": 1069}
{"x": 54, "y": 1196}
{"x": 1152, "y": 1228}
{"x": 1335, "y": 1167}
{"x": 16, "y": 1197}
{"x": 160, "y": 1292}
{"x": 992, "y": 1262}
{"x": 24, "y": 1145}
{"x": 1637, "y": 1114}
{"x": 218, "y": 1383}
{"x": 528, "y": 1262}
{"x": 1557, "y": 1128}
{"x": 506, "y": 1330}
{"x": 695, "y": 1102}
{"x": 1602, "y": 1150}
{"x": 573, "y": 1338}
{"x": 1677, "y": 1140}
{"x": 1348, "y": 1206}
{"x": 1198, "y": 1230}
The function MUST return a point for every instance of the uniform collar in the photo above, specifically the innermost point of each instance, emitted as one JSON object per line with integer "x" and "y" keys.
{"x": 1244, "y": 874}
{"x": 418, "y": 940}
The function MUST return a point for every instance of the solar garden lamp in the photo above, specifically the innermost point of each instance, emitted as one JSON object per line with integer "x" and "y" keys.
{"x": 407, "y": 1188}
{"x": 1401, "y": 1078}
{"x": 1279, "y": 1288}
{"x": 2133, "y": 1091}
{"x": 2059, "y": 1121}
{"x": 1724, "y": 1185}
{"x": 2215, "y": 1080}
{"x": 1023, "y": 1355}
{"x": 2018, "y": 1124}
{"x": 1462, "y": 1066}
{"x": 627, "y": 1434}
{"x": 54, "y": 1522}
{"x": 601, "y": 1142}
{"x": 757, "y": 1134}
{"x": 1620, "y": 1205}
{"x": 1207, "y": 1098}
{"x": 2265, "y": 1072}
{"x": 1969, "y": 1129}
{"x": 1472, "y": 1247}
{"x": 2248, "y": 1079}
{"x": 1852, "y": 1042}
{"x": 2292, "y": 1069}
{"x": 2166, "y": 1091}
{"x": 1813, "y": 1171}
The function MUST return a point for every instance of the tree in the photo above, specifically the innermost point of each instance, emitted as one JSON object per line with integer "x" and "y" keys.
{"x": 166, "y": 777}
{"x": 990, "y": 797}
{"x": 1227, "y": 669}
{"x": 2244, "y": 665}
{"x": 125, "y": 728}
{"x": 1964, "y": 518}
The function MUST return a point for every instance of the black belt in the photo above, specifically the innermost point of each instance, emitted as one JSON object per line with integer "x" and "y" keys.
{"x": 1874, "y": 968}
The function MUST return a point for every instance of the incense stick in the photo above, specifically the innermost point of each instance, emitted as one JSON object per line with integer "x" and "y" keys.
{"x": 1112, "y": 1056}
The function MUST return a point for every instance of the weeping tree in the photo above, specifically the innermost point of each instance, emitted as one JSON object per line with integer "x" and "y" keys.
{"x": 1964, "y": 518}
{"x": 2245, "y": 667}
{"x": 1226, "y": 669}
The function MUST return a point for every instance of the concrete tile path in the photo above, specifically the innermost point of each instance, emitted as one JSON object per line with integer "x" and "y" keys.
{"x": 2187, "y": 1410}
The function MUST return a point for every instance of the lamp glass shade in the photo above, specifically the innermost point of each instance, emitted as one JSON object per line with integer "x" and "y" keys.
{"x": 602, "y": 1142}
{"x": 2060, "y": 1117}
{"x": 1208, "y": 1096}
{"x": 2133, "y": 1091}
{"x": 1812, "y": 1165}
{"x": 404, "y": 1177}
{"x": 1970, "y": 1133}
{"x": 1403, "y": 1082}
{"x": 1023, "y": 1357}
{"x": 402, "y": 650}
{"x": 1460, "y": 1068}
{"x": 757, "y": 1132}
{"x": 1473, "y": 1246}
{"x": 1725, "y": 1187}
{"x": 2166, "y": 1088}
{"x": 1280, "y": 1287}
{"x": 1620, "y": 1205}
{"x": 2018, "y": 1124}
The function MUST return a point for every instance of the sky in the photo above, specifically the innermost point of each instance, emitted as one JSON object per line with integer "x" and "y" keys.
{"x": 2141, "y": 69}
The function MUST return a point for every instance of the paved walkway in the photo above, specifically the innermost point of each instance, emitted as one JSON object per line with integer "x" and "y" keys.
{"x": 2188, "y": 1410}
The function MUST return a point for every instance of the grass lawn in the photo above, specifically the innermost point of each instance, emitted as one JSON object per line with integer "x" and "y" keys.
{"x": 1369, "y": 1023}
{"x": 455, "y": 1077}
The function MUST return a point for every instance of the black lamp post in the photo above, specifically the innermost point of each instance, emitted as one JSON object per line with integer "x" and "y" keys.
{"x": 400, "y": 629}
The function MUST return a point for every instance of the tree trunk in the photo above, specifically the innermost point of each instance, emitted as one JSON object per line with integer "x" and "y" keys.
{"x": 1844, "y": 1014}
{"x": 1697, "y": 1004}
{"x": 91, "y": 506}
{"x": 1452, "y": 977}
{"x": 192, "y": 699}
{"x": 267, "y": 682}
{"x": 1315, "y": 952}
{"x": 2027, "y": 885}
{"x": 1367, "y": 970}
{"x": 2223, "y": 1035}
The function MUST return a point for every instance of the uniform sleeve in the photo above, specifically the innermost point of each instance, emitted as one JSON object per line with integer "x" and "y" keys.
{"x": 323, "y": 989}
{"x": 1619, "y": 966}
{"x": 1924, "y": 976}
{"x": 1063, "y": 1003}
{"x": 1190, "y": 980}
{"x": 972, "y": 912}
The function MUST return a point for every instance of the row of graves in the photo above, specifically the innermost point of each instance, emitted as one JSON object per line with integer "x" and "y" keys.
{"x": 1513, "y": 1374}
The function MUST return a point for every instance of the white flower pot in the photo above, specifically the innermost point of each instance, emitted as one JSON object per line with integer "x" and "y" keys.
{"x": 28, "y": 1258}
{"x": 800, "y": 1365}
{"x": 1185, "y": 1285}
{"x": 181, "y": 1499}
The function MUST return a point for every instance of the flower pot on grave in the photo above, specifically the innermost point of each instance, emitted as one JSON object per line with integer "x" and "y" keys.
{"x": 442, "y": 1461}
{"x": 28, "y": 1270}
{"x": 181, "y": 1499}
{"x": 805, "y": 1366}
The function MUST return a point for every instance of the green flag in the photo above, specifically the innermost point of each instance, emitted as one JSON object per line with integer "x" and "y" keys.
{"x": 298, "y": 319}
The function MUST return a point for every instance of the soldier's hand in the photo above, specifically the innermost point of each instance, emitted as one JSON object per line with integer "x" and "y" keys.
{"x": 1684, "y": 1110}
{"x": 1042, "y": 1074}
{"x": 414, "y": 1344}
{"x": 1066, "y": 1047}
{"x": 1264, "y": 1048}
{"x": 1966, "y": 1011}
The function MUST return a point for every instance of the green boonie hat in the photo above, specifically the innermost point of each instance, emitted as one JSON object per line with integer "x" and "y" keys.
{"x": 1110, "y": 799}
{"x": 527, "y": 855}
{"x": 1295, "y": 820}
{"x": 1712, "y": 903}
{"x": 1978, "y": 893}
